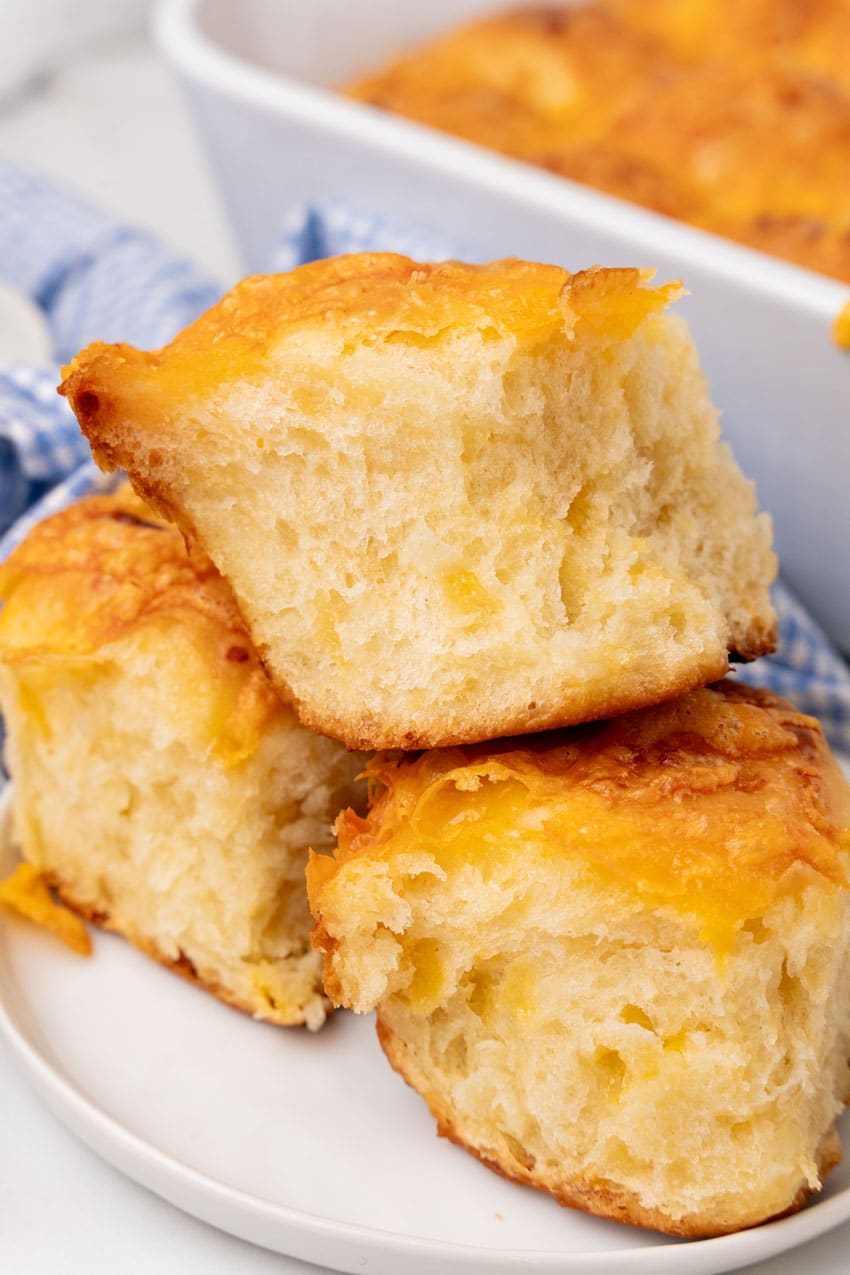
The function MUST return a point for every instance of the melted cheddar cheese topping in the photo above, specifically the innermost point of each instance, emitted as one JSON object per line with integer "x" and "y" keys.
{"x": 107, "y": 571}
{"x": 733, "y": 115}
{"x": 703, "y": 806}
{"x": 359, "y": 298}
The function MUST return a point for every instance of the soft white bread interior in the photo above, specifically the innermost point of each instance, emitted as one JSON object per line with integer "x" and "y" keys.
{"x": 454, "y": 502}
{"x": 615, "y": 961}
{"x": 159, "y": 782}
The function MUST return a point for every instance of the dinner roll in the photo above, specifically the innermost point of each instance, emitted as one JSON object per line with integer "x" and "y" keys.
{"x": 615, "y": 961}
{"x": 159, "y": 783}
{"x": 454, "y": 502}
{"x": 733, "y": 115}
{"x": 524, "y": 81}
{"x": 813, "y": 36}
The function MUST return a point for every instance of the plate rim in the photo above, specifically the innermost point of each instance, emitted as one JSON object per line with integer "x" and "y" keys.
{"x": 338, "y": 1245}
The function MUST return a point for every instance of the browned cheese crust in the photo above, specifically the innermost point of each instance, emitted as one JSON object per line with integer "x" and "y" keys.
{"x": 109, "y": 562}
{"x": 370, "y": 734}
{"x": 734, "y": 116}
{"x": 652, "y": 760}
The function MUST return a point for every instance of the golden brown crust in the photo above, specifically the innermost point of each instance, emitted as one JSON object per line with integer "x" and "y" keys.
{"x": 359, "y": 293}
{"x": 811, "y": 35}
{"x": 105, "y": 568}
{"x": 735, "y": 117}
{"x": 182, "y": 965}
{"x": 371, "y": 734}
{"x": 516, "y": 81}
{"x": 736, "y": 779}
{"x": 601, "y": 1198}
{"x": 109, "y": 562}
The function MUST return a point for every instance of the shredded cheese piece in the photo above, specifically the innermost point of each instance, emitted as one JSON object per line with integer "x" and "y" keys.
{"x": 26, "y": 891}
{"x": 841, "y": 329}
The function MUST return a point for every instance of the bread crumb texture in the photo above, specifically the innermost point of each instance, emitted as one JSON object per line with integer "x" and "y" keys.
{"x": 454, "y": 502}
{"x": 160, "y": 784}
{"x": 614, "y": 960}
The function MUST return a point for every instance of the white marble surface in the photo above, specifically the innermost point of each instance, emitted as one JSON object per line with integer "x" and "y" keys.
{"x": 113, "y": 126}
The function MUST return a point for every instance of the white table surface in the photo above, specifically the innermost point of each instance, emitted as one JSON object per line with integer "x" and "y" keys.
{"x": 114, "y": 127}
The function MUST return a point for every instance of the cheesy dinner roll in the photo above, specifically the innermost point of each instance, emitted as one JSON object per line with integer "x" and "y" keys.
{"x": 813, "y": 36}
{"x": 733, "y": 115}
{"x": 159, "y": 782}
{"x": 523, "y": 81}
{"x": 615, "y": 961}
{"x": 454, "y": 502}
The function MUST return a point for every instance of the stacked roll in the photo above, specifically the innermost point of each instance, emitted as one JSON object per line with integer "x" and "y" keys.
{"x": 481, "y": 519}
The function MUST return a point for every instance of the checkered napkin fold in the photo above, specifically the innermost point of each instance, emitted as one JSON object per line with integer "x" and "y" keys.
{"x": 94, "y": 278}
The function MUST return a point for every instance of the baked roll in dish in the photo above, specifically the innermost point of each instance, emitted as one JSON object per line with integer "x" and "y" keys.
{"x": 160, "y": 784}
{"x": 615, "y": 961}
{"x": 813, "y": 36}
{"x": 733, "y": 115}
{"x": 454, "y": 502}
{"x": 521, "y": 81}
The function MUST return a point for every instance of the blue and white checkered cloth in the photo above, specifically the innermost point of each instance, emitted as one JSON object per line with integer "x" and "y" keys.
{"x": 94, "y": 278}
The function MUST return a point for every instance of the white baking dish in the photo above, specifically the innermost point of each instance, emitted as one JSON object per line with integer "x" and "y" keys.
{"x": 260, "y": 74}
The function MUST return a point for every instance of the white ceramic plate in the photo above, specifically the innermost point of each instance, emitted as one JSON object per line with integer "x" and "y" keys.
{"x": 307, "y": 1145}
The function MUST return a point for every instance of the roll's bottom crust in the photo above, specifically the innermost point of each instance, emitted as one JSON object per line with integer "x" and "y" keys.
{"x": 602, "y": 1198}
{"x": 378, "y": 732}
{"x": 183, "y": 965}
